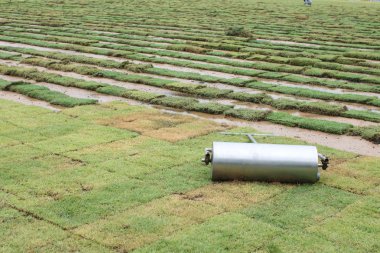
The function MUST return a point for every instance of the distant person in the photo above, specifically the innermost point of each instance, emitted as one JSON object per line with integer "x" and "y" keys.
{"x": 307, "y": 2}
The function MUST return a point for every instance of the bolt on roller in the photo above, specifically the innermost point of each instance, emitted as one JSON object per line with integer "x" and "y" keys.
{"x": 264, "y": 162}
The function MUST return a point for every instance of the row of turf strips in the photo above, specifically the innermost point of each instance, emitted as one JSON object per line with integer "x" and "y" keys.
{"x": 197, "y": 65}
{"x": 305, "y": 69}
{"x": 192, "y": 104}
{"x": 192, "y": 89}
{"x": 159, "y": 71}
{"x": 181, "y": 35}
{"x": 120, "y": 178}
{"x": 44, "y": 94}
{"x": 211, "y": 92}
{"x": 206, "y": 42}
{"x": 287, "y": 31}
{"x": 227, "y": 43}
{"x": 266, "y": 87}
{"x": 184, "y": 33}
{"x": 262, "y": 48}
{"x": 184, "y": 63}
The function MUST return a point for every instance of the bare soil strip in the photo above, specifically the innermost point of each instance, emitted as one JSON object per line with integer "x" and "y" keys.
{"x": 347, "y": 143}
{"x": 7, "y": 95}
{"x": 373, "y": 61}
{"x": 285, "y": 42}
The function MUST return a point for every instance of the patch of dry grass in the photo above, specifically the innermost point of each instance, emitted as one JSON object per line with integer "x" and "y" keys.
{"x": 162, "y": 126}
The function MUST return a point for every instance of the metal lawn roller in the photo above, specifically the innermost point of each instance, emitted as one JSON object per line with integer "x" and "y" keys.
{"x": 264, "y": 162}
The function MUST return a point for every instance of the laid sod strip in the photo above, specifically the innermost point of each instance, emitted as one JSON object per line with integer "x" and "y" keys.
{"x": 45, "y": 94}
{"x": 260, "y": 68}
{"x": 329, "y": 83}
{"x": 64, "y": 57}
{"x": 320, "y": 63}
{"x": 185, "y": 103}
{"x": 319, "y": 125}
{"x": 301, "y": 92}
{"x": 313, "y": 107}
{"x": 128, "y": 93}
{"x": 9, "y": 56}
{"x": 247, "y": 114}
{"x": 200, "y": 90}
{"x": 364, "y": 115}
{"x": 4, "y": 84}
{"x": 369, "y": 133}
{"x": 338, "y": 48}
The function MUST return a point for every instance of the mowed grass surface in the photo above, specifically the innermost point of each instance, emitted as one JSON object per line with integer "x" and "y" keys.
{"x": 118, "y": 178}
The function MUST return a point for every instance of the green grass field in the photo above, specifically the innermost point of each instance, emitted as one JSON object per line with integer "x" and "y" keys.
{"x": 115, "y": 177}
{"x": 100, "y": 150}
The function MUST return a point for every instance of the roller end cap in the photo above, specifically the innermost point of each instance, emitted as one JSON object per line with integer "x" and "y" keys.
{"x": 207, "y": 159}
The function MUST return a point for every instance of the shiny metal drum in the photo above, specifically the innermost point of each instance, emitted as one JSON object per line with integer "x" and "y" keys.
{"x": 264, "y": 162}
